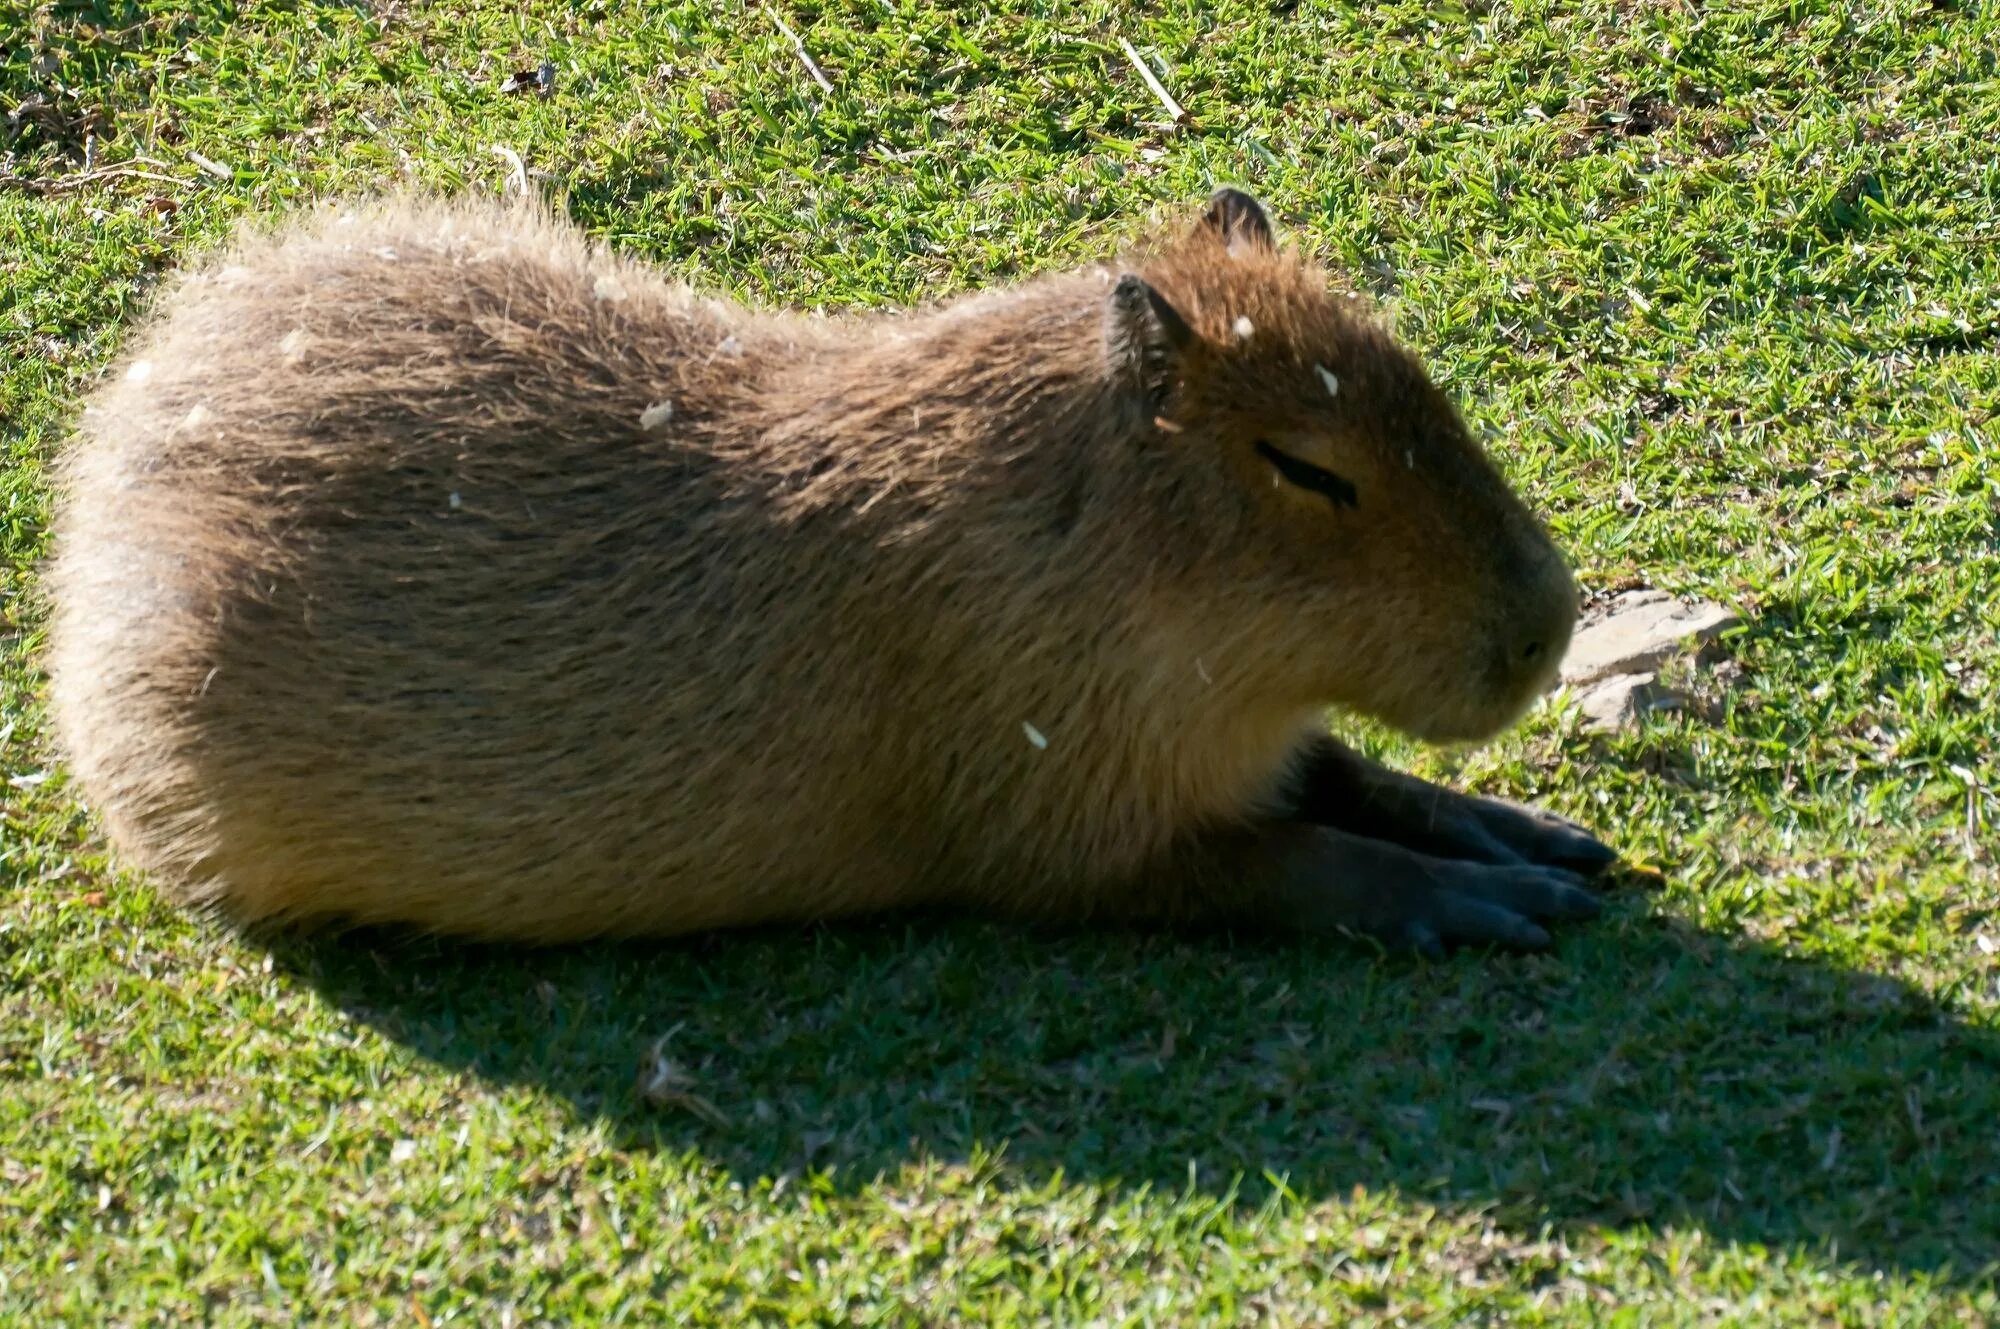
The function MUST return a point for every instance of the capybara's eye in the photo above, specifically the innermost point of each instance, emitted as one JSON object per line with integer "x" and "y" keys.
{"x": 1305, "y": 475}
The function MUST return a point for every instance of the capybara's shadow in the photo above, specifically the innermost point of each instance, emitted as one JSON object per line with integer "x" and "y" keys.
{"x": 1644, "y": 1074}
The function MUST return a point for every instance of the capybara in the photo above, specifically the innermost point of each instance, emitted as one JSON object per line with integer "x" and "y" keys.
{"x": 425, "y": 563}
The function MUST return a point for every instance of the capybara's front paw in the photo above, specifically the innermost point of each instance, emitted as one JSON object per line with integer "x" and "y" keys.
{"x": 1480, "y": 904}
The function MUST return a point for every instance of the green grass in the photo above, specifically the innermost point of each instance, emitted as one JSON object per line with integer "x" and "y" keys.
{"x": 1723, "y": 285}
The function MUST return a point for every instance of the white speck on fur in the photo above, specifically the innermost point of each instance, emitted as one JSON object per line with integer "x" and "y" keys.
{"x": 1328, "y": 380}
{"x": 453, "y": 499}
{"x": 1035, "y": 736}
{"x": 1244, "y": 328}
{"x": 1410, "y": 458}
{"x": 293, "y": 347}
{"x": 196, "y": 417}
{"x": 608, "y": 288}
{"x": 140, "y": 371}
{"x": 730, "y": 347}
{"x": 656, "y": 415}
{"x": 1202, "y": 669}
{"x": 386, "y": 254}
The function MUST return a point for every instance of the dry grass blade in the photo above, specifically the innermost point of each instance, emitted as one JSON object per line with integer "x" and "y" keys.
{"x": 1176, "y": 113}
{"x": 805, "y": 56}
{"x": 212, "y": 166}
{"x": 84, "y": 179}
{"x": 664, "y": 1082}
{"x": 513, "y": 158}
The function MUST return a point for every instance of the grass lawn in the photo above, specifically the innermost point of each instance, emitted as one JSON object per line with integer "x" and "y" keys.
{"x": 1723, "y": 286}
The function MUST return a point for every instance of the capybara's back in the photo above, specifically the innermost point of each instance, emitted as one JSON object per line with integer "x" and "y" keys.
{"x": 424, "y": 563}
{"x": 399, "y": 578}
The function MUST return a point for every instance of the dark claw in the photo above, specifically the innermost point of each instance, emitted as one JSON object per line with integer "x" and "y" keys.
{"x": 1579, "y": 851}
{"x": 1471, "y": 918}
{"x": 1564, "y": 896}
{"x": 1575, "y": 902}
{"x": 1545, "y": 838}
{"x": 1530, "y": 935}
{"x": 1513, "y": 932}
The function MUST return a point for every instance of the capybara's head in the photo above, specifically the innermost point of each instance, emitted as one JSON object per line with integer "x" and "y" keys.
{"x": 1351, "y": 532}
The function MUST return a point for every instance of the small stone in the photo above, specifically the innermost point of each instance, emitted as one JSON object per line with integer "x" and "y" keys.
{"x": 1638, "y": 632}
{"x": 1619, "y": 701}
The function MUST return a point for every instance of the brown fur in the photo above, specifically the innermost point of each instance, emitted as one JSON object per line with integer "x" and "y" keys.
{"x": 424, "y": 563}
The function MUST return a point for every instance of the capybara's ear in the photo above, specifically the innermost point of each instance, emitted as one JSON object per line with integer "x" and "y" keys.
{"x": 1240, "y": 220}
{"x": 1144, "y": 338}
